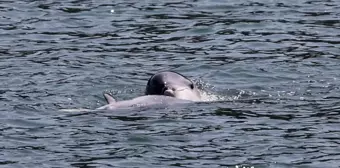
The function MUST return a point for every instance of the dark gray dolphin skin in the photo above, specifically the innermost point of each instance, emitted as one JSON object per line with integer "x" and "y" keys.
{"x": 172, "y": 84}
{"x": 142, "y": 101}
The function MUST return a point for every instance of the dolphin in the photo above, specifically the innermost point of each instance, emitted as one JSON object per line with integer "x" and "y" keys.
{"x": 142, "y": 101}
{"x": 164, "y": 88}
{"x": 172, "y": 84}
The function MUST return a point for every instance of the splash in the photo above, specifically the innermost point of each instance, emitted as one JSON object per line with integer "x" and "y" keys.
{"x": 207, "y": 95}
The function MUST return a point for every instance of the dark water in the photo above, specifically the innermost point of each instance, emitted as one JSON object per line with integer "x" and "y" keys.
{"x": 272, "y": 65}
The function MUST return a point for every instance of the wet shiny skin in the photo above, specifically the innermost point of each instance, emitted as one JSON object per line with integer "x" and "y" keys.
{"x": 172, "y": 84}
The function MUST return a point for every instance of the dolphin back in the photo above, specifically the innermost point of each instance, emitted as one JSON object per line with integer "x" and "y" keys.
{"x": 142, "y": 101}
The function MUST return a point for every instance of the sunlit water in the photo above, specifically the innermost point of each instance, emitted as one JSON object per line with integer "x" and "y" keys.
{"x": 270, "y": 70}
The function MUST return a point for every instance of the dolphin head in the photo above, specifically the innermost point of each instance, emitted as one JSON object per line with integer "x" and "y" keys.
{"x": 172, "y": 84}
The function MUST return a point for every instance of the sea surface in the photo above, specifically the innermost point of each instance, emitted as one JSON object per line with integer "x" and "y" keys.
{"x": 269, "y": 71}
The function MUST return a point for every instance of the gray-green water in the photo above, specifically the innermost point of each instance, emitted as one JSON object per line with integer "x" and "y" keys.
{"x": 273, "y": 64}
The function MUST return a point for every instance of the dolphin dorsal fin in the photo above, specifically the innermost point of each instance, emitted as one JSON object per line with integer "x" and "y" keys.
{"x": 109, "y": 98}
